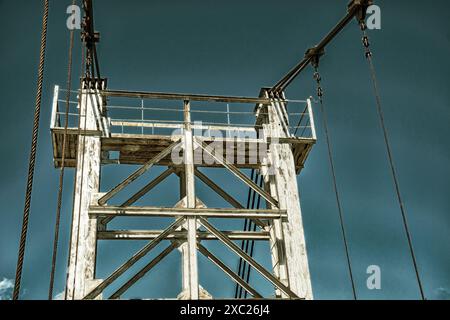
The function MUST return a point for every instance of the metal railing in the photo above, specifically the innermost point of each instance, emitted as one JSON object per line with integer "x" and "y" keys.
{"x": 162, "y": 116}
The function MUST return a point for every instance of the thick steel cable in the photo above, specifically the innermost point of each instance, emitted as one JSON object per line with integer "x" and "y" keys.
{"x": 32, "y": 160}
{"x": 61, "y": 173}
{"x": 246, "y": 242}
{"x": 82, "y": 72}
{"x": 368, "y": 54}
{"x": 252, "y": 245}
{"x": 238, "y": 287}
{"x": 88, "y": 78}
{"x": 333, "y": 174}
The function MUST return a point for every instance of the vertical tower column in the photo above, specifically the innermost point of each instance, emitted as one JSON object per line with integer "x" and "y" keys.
{"x": 190, "y": 203}
{"x": 183, "y": 248}
{"x": 282, "y": 181}
{"x": 83, "y": 242}
{"x": 277, "y": 246}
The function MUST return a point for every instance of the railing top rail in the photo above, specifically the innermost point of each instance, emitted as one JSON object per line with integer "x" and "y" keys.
{"x": 183, "y": 96}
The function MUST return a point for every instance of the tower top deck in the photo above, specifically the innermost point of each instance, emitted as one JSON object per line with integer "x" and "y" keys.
{"x": 136, "y": 126}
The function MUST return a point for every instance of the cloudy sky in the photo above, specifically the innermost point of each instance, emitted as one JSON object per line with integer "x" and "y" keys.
{"x": 237, "y": 47}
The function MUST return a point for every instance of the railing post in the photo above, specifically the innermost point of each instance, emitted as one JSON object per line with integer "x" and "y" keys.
{"x": 228, "y": 119}
{"x": 53, "y": 121}
{"x": 142, "y": 115}
{"x": 311, "y": 119}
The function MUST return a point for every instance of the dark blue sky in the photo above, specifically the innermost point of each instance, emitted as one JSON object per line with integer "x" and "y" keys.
{"x": 237, "y": 47}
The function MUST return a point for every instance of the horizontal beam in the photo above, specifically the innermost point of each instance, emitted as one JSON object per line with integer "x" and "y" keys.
{"x": 143, "y": 139}
{"x": 179, "y": 235}
{"x": 292, "y": 140}
{"x": 105, "y": 211}
{"x": 137, "y": 124}
{"x": 76, "y": 131}
{"x": 168, "y": 125}
{"x": 183, "y": 97}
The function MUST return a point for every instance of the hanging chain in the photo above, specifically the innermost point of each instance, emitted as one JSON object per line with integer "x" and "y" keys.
{"x": 318, "y": 79}
{"x": 365, "y": 40}
{"x": 369, "y": 56}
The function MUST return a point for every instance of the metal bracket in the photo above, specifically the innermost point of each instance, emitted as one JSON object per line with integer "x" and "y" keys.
{"x": 363, "y": 5}
{"x": 315, "y": 54}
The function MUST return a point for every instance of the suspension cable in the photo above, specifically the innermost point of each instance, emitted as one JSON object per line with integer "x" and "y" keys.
{"x": 79, "y": 131}
{"x": 318, "y": 79}
{"x": 250, "y": 225}
{"x": 238, "y": 288}
{"x": 32, "y": 160}
{"x": 61, "y": 173}
{"x": 252, "y": 242}
{"x": 368, "y": 54}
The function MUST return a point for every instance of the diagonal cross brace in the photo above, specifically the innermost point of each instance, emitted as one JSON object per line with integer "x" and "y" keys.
{"x": 230, "y": 244}
{"x": 228, "y": 271}
{"x": 224, "y": 194}
{"x": 144, "y": 270}
{"x": 141, "y": 253}
{"x": 238, "y": 173}
{"x": 138, "y": 173}
{"x": 149, "y": 186}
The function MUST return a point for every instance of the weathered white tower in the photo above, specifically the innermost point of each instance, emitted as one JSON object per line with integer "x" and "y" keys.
{"x": 269, "y": 147}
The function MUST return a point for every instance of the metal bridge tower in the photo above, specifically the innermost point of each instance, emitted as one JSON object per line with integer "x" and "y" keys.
{"x": 99, "y": 140}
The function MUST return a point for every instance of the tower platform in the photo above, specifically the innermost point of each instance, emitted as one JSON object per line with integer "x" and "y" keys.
{"x": 136, "y": 139}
